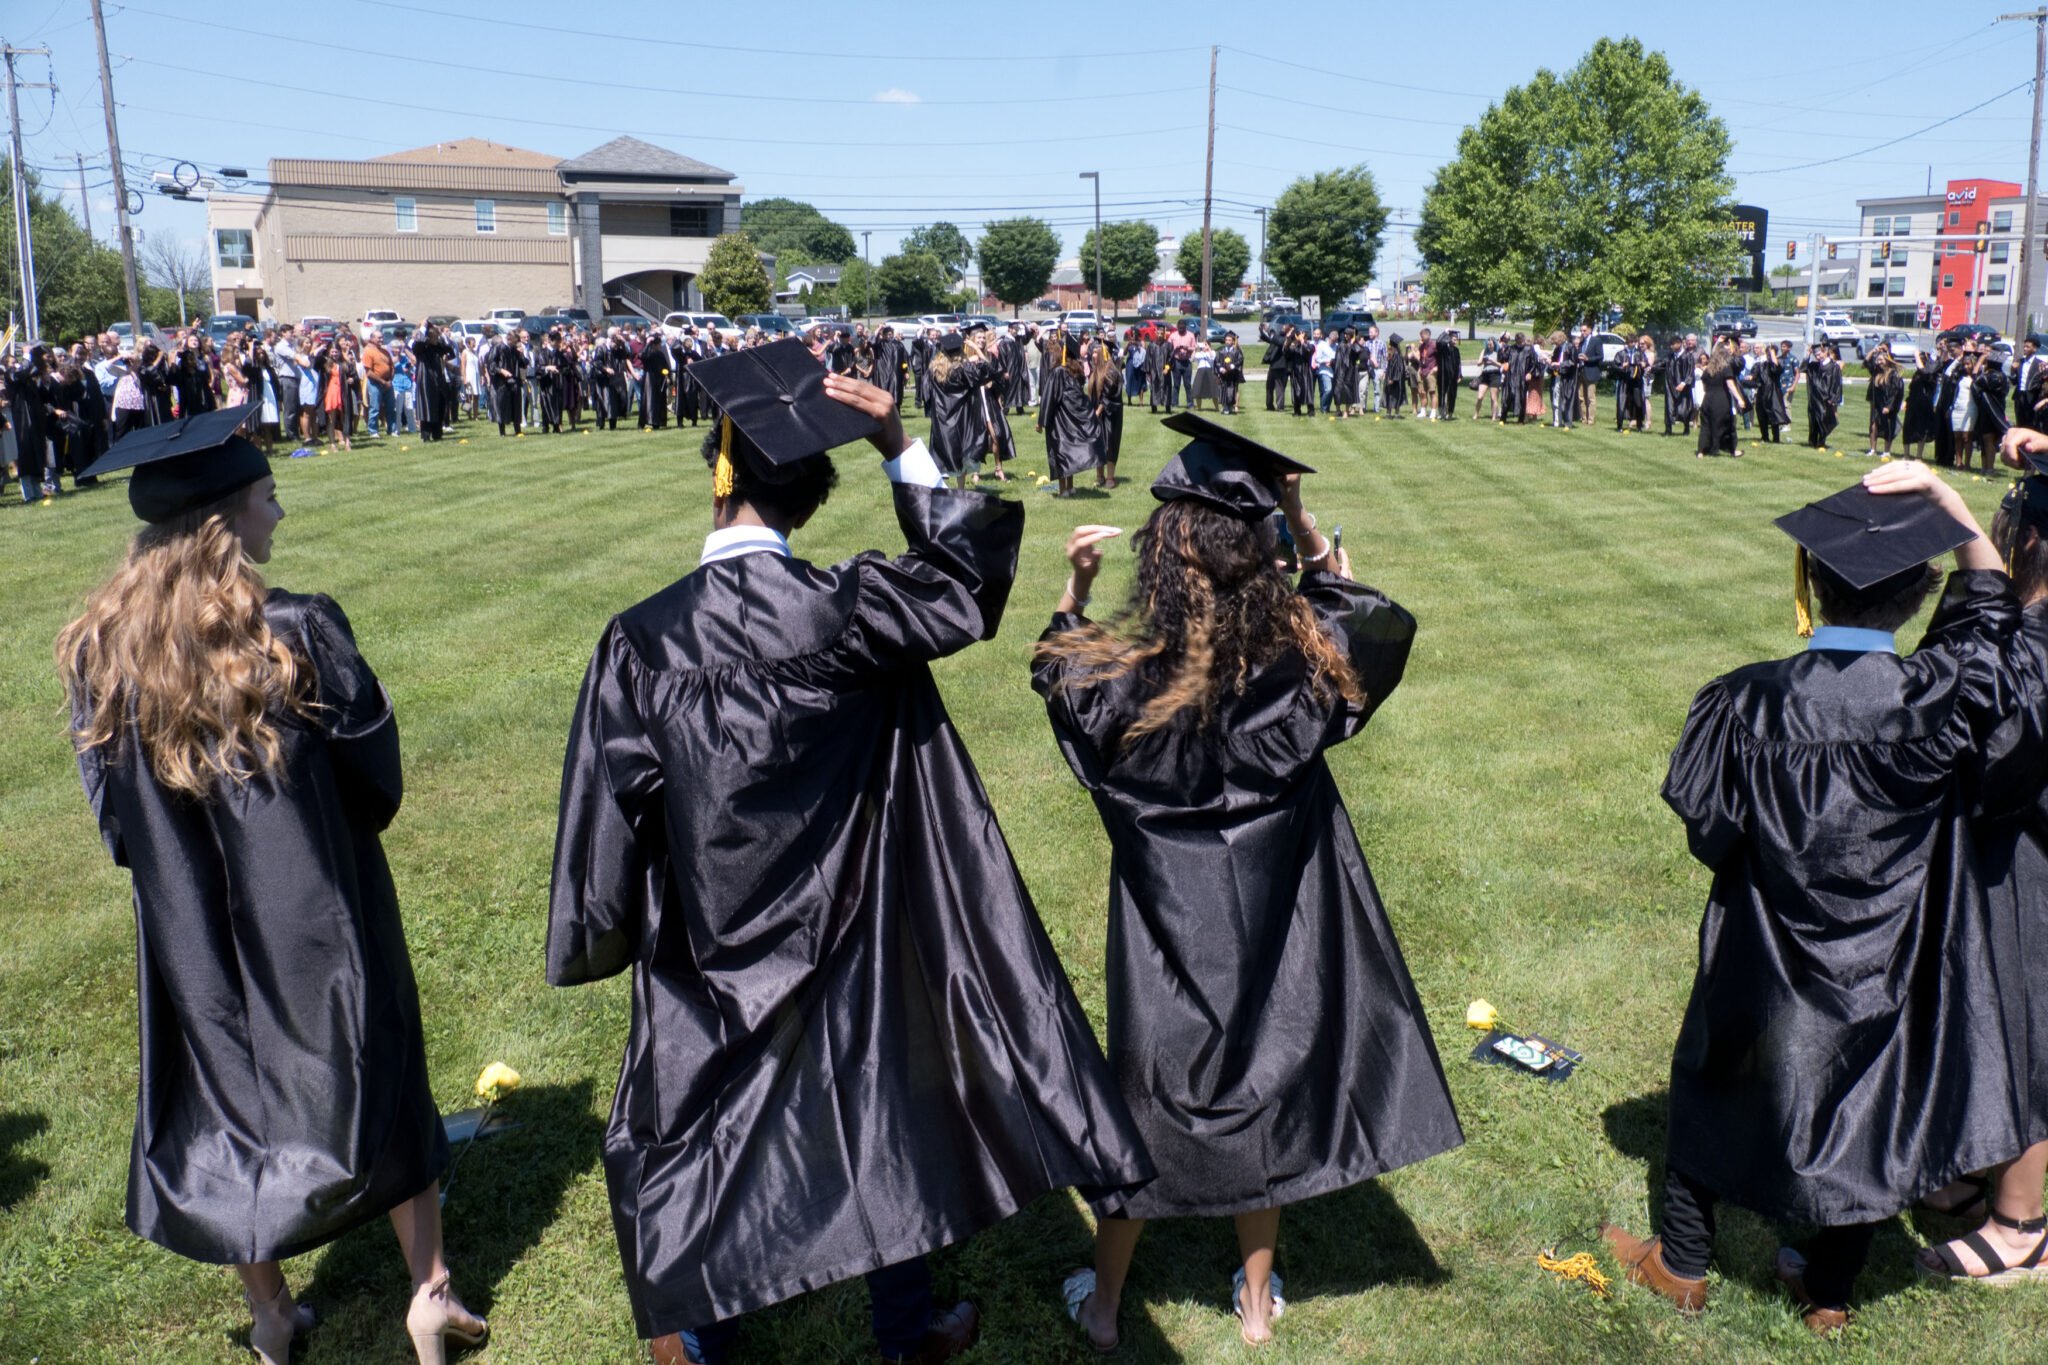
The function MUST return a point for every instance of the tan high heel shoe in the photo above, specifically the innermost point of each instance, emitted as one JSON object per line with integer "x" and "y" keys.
{"x": 274, "y": 1324}
{"x": 438, "y": 1317}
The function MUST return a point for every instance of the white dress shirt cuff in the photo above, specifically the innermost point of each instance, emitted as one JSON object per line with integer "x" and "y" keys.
{"x": 914, "y": 465}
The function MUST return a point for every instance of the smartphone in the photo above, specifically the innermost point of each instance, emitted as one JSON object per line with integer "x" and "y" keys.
{"x": 1336, "y": 540}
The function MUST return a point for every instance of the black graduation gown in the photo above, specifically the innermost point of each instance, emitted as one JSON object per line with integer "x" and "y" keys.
{"x": 433, "y": 393}
{"x": 921, "y": 351}
{"x": 1344, "y": 375}
{"x": 1262, "y": 1022}
{"x": 28, "y": 417}
{"x": 889, "y": 368}
{"x": 507, "y": 393}
{"x": 1823, "y": 400}
{"x": 1679, "y": 407}
{"x": 548, "y": 363}
{"x": 1515, "y": 384}
{"x": 1073, "y": 433}
{"x": 1886, "y": 396}
{"x": 1016, "y": 390}
{"x": 284, "y": 1095}
{"x": 193, "y": 381}
{"x": 1770, "y": 395}
{"x": 852, "y": 1042}
{"x": 1838, "y": 1057}
{"x": 1717, "y": 411}
{"x": 1112, "y": 421}
{"x": 1919, "y": 423}
{"x": 656, "y": 366}
{"x": 959, "y": 417}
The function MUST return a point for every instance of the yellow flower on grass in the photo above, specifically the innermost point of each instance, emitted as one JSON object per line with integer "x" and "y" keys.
{"x": 1481, "y": 1015}
{"x": 497, "y": 1081}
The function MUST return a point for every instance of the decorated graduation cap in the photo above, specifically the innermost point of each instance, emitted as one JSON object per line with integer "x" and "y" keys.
{"x": 777, "y": 412}
{"x": 183, "y": 465}
{"x": 1868, "y": 540}
{"x": 1236, "y": 476}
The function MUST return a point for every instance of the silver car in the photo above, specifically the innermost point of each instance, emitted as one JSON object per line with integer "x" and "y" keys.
{"x": 1905, "y": 350}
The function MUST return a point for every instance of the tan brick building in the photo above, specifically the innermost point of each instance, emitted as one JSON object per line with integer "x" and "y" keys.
{"x": 464, "y": 227}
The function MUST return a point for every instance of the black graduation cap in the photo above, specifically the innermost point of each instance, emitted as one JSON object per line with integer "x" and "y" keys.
{"x": 2027, "y": 501}
{"x": 1217, "y": 466}
{"x": 1866, "y": 537}
{"x": 183, "y": 465}
{"x": 775, "y": 395}
{"x": 975, "y": 327}
{"x": 952, "y": 343}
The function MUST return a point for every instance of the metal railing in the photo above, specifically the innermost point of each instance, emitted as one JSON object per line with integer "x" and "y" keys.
{"x": 639, "y": 300}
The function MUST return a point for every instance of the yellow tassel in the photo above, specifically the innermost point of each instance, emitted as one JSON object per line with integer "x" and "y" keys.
{"x": 2019, "y": 517}
{"x": 1581, "y": 1267}
{"x": 1802, "y": 593}
{"x": 721, "y": 474}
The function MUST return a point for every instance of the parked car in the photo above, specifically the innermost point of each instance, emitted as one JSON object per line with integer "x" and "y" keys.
{"x": 1277, "y": 321}
{"x": 1334, "y": 323}
{"x": 537, "y": 326}
{"x": 1904, "y": 349}
{"x": 579, "y": 316}
{"x": 221, "y": 326}
{"x": 1605, "y": 346}
{"x": 373, "y": 318}
{"x": 945, "y": 322}
{"x": 1964, "y": 331}
{"x": 1278, "y": 305}
{"x": 318, "y": 324}
{"x": 2001, "y": 351}
{"x": 1217, "y": 331}
{"x": 443, "y": 320}
{"x": 1151, "y": 310}
{"x": 1047, "y": 305}
{"x": 392, "y": 333}
{"x": 623, "y": 320}
{"x": 150, "y": 332}
{"x": 768, "y": 322}
{"x": 1081, "y": 320}
{"x": 506, "y": 318}
{"x": 1836, "y": 329}
{"x": 474, "y": 327}
{"x": 673, "y": 324}
{"x": 1731, "y": 321}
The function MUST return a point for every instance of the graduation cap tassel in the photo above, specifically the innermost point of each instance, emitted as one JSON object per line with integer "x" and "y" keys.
{"x": 1802, "y": 593}
{"x": 721, "y": 474}
{"x": 2019, "y": 522}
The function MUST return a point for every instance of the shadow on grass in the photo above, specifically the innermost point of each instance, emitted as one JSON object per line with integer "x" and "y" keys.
{"x": 1637, "y": 1127}
{"x": 502, "y": 1202}
{"x": 19, "y": 1175}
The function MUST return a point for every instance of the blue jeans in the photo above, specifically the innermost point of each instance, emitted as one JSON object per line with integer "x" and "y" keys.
{"x": 382, "y": 416}
{"x": 406, "y": 420}
{"x": 1325, "y": 382}
{"x": 899, "y": 1307}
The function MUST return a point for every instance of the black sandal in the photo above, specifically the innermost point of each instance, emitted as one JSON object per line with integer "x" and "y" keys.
{"x": 1972, "y": 1208}
{"x": 1996, "y": 1270}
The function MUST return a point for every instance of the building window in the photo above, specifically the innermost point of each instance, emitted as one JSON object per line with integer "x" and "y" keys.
{"x": 1876, "y": 258}
{"x": 1898, "y": 286}
{"x": 407, "y": 212}
{"x": 558, "y": 219}
{"x": 1994, "y": 284}
{"x": 1877, "y": 287}
{"x": 235, "y": 248}
{"x": 2001, "y": 221}
{"x": 689, "y": 220}
{"x": 1880, "y": 227}
{"x": 1902, "y": 225}
{"x": 1948, "y": 281}
{"x": 2001, "y": 253}
{"x": 486, "y": 215}
{"x": 1954, "y": 217}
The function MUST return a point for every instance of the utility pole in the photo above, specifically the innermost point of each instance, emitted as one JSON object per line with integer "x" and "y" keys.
{"x": 24, "y": 245}
{"x": 1262, "y": 255}
{"x": 99, "y": 29}
{"x": 84, "y": 199}
{"x": 1096, "y": 176}
{"x": 1812, "y": 285}
{"x": 1208, "y": 190}
{"x": 2026, "y": 280}
{"x": 867, "y": 274}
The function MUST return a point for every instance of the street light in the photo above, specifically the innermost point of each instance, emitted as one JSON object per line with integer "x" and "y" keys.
{"x": 1096, "y": 176}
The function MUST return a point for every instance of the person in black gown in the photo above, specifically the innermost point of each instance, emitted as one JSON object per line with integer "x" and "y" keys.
{"x": 1837, "y": 1060}
{"x": 1822, "y": 370}
{"x": 504, "y": 368}
{"x": 962, "y": 433}
{"x": 1720, "y": 400}
{"x": 657, "y": 369}
{"x": 434, "y": 394}
{"x": 1069, "y": 420}
{"x": 852, "y": 1042}
{"x": 1918, "y": 425}
{"x": 1261, "y": 1021}
{"x": 1771, "y": 417}
{"x": 284, "y": 1096}
{"x": 1887, "y": 394}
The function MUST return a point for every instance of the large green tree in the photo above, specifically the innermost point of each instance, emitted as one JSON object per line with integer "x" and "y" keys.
{"x": 1130, "y": 253}
{"x": 78, "y": 281}
{"x": 944, "y": 241}
{"x": 1324, "y": 234}
{"x": 1017, "y": 258}
{"x": 790, "y": 227}
{"x": 1230, "y": 256}
{"x": 1606, "y": 185}
{"x": 734, "y": 280}
{"x": 911, "y": 282}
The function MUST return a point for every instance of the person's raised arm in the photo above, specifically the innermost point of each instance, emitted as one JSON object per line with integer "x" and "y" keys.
{"x": 1906, "y": 477}
{"x": 1084, "y": 562}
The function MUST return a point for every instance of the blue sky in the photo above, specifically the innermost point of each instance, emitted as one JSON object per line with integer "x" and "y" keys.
{"x": 892, "y": 116}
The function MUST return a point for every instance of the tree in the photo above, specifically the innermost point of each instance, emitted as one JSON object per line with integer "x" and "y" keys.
{"x": 1607, "y": 185}
{"x": 1230, "y": 257}
{"x": 945, "y": 242}
{"x": 911, "y": 282}
{"x": 1324, "y": 234}
{"x": 734, "y": 280}
{"x": 853, "y": 290}
{"x": 1017, "y": 258}
{"x": 790, "y": 226}
{"x": 78, "y": 281}
{"x": 180, "y": 269}
{"x": 1130, "y": 253}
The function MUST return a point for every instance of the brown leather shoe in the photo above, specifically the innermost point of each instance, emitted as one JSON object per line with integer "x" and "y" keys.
{"x": 1790, "y": 1268}
{"x": 951, "y": 1333}
{"x": 1644, "y": 1262}
{"x": 669, "y": 1350}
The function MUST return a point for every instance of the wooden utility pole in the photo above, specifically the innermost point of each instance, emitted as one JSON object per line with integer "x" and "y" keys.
{"x": 2025, "y": 315}
{"x": 84, "y": 197}
{"x": 24, "y": 242}
{"x": 1208, "y": 194}
{"x": 99, "y": 29}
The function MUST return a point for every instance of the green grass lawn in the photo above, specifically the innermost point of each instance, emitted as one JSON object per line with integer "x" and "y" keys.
{"x": 1574, "y": 590}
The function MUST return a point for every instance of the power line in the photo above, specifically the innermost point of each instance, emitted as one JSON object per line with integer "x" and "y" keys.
{"x": 1850, "y": 156}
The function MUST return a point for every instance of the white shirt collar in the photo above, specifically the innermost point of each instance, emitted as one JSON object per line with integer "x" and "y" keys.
{"x": 731, "y": 542}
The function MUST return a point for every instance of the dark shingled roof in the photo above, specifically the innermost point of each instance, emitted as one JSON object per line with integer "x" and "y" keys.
{"x": 631, "y": 156}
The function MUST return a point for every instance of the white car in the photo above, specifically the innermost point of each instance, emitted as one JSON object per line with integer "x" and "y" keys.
{"x": 373, "y": 318}
{"x": 1904, "y": 349}
{"x": 505, "y": 319}
{"x": 1080, "y": 320}
{"x": 672, "y": 324}
{"x": 1837, "y": 330}
{"x": 945, "y": 322}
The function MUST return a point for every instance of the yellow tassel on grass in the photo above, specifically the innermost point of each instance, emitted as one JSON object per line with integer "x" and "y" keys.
{"x": 1581, "y": 1267}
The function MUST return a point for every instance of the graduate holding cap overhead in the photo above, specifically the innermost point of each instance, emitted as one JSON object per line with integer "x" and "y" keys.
{"x": 242, "y": 759}
{"x": 1846, "y": 1048}
{"x": 1262, "y": 1023}
{"x": 851, "y": 1043}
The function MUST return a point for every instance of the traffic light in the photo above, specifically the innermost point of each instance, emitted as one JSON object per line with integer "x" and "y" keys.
{"x": 1884, "y": 251}
{"x": 1791, "y": 251}
{"x": 1831, "y": 251}
{"x": 1983, "y": 238}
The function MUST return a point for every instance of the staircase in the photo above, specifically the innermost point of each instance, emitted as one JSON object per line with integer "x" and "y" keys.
{"x": 638, "y": 300}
